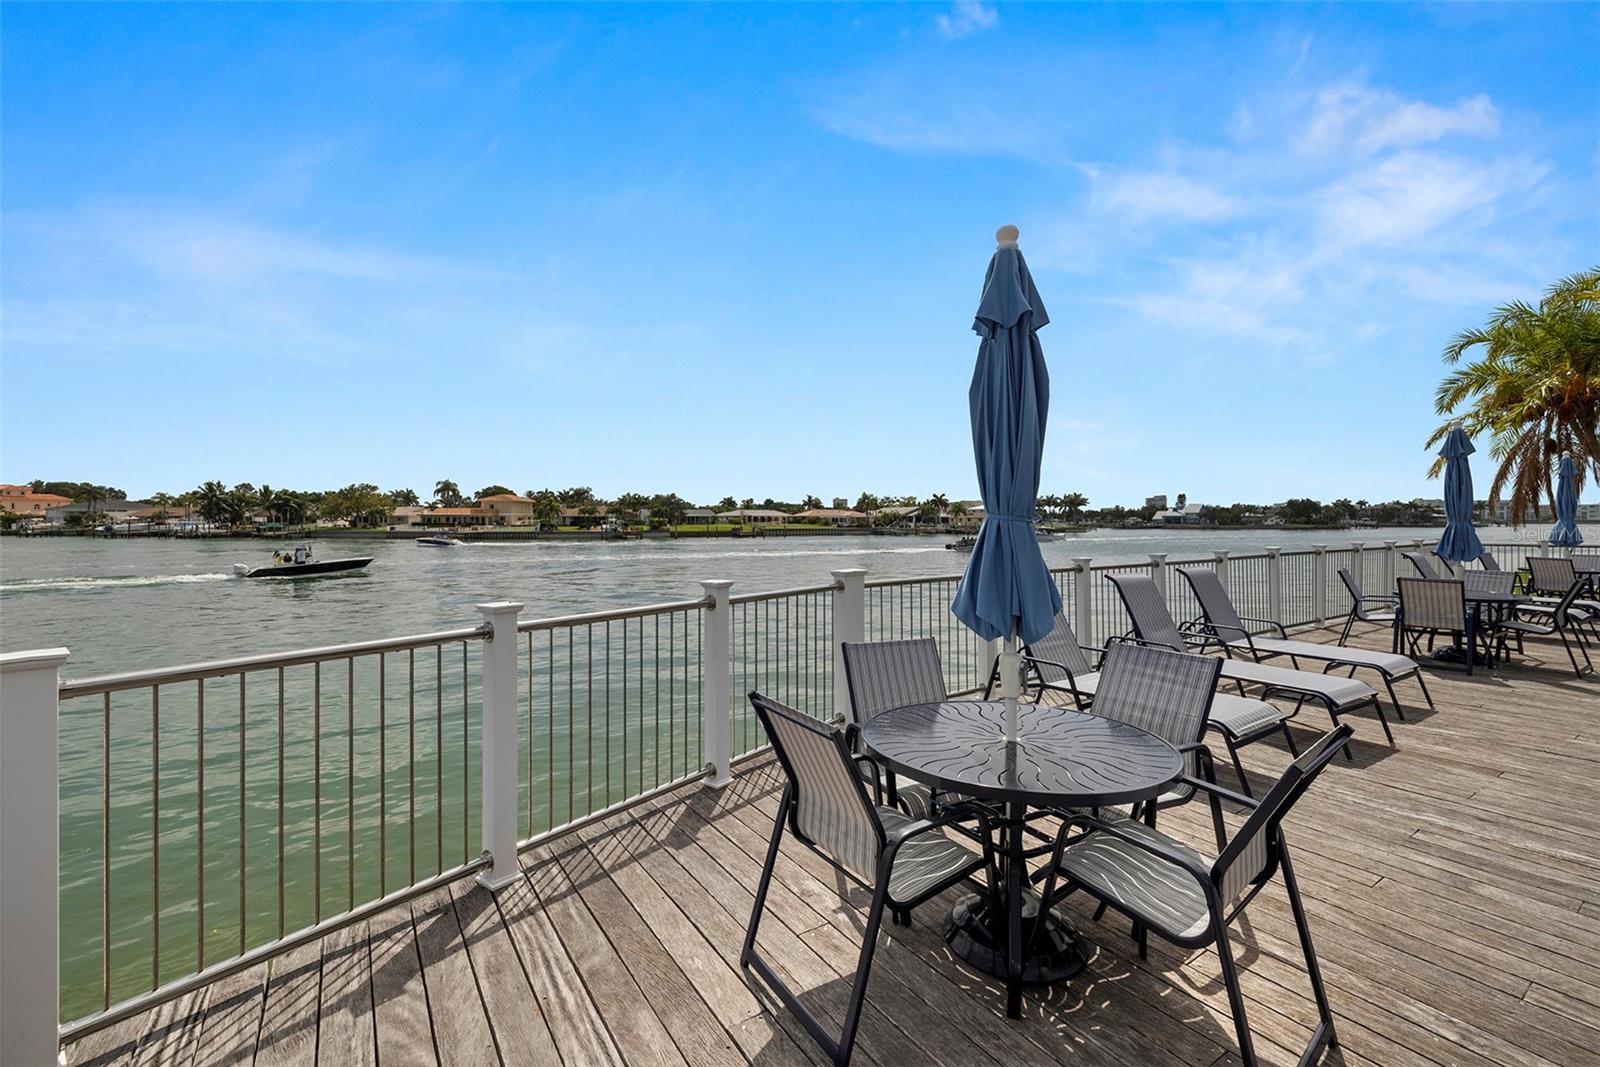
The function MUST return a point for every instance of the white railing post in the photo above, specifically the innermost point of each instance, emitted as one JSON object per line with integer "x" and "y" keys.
{"x": 1275, "y": 584}
{"x": 30, "y": 965}
{"x": 1319, "y": 586}
{"x": 849, "y": 624}
{"x": 1158, "y": 571}
{"x": 1221, "y": 565}
{"x": 497, "y": 730}
{"x": 1083, "y": 602}
{"x": 1389, "y": 560}
{"x": 1358, "y": 568}
{"x": 715, "y": 658}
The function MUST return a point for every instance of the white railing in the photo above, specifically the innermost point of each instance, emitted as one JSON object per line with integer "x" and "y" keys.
{"x": 214, "y": 815}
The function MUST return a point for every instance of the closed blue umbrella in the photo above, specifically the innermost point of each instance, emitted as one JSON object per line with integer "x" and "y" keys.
{"x": 1006, "y": 591}
{"x": 1460, "y": 541}
{"x": 1565, "y": 531}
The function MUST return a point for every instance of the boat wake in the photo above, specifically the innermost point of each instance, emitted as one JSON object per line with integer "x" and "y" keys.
{"x": 41, "y": 585}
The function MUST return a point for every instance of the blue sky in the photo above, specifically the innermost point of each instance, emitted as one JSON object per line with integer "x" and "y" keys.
{"x": 736, "y": 249}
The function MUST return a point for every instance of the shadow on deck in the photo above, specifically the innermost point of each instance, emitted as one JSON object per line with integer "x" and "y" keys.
{"x": 1453, "y": 885}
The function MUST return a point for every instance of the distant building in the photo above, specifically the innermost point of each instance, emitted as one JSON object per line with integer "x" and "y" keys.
{"x": 898, "y": 513}
{"x": 700, "y": 516}
{"x": 842, "y": 503}
{"x": 754, "y": 516}
{"x": 508, "y": 509}
{"x": 22, "y": 500}
{"x": 422, "y": 516}
{"x": 832, "y": 516}
{"x": 1188, "y": 515}
{"x": 1159, "y": 502}
{"x": 113, "y": 510}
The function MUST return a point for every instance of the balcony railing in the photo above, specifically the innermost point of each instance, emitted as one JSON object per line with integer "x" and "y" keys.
{"x": 215, "y": 815}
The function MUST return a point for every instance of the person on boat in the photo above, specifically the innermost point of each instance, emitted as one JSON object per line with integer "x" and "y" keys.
{"x": 300, "y": 554}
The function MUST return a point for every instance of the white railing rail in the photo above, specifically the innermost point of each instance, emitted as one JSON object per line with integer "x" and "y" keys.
{"x": 664, "y": 681}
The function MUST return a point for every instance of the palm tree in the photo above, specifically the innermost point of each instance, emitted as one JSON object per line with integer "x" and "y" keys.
{"x": 958, "y": 512}
{"x": 1074, "y": 503}
{"x": 1533, "y": 387}
{"x": 447, "y": 493}
{"x": 405, "y": 498}
{"x": 212, "y": 500}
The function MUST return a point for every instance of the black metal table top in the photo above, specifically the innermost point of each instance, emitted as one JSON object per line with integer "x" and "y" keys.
{"x": 1064, "y": 756}
{"x": 1492, "y": 596}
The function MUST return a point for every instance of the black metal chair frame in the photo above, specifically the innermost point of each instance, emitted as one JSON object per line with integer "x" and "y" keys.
{"x": 840, "y": 1048}
{"x": 1358, "y": 598}
{"x": 1414, "y": 634}
{"x": 1561, "y": 621}
{"x": 1281, "y": 799}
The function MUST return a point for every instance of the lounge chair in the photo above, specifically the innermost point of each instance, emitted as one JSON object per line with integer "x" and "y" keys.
{"x": 1223, "y": 622}
{"x": 1423, "y": 564}
{"x": 825, "y": 806}
{"x": 1380, "y": 609}
{"x": 1191, "y": 899}
{"x": 1487, "y": 561}
{"x": 1152, "y": 622}
{"x": 1057, "y": 663}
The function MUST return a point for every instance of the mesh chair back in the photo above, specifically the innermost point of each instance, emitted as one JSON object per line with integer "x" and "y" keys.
{"x": 883, "y": 675}
{"x": 1353, "y": 587}
{"x": 1164, "y": 693}
{"x": 1487, "y": 561}
{"x": 1061, "y": 646}
{"x": 1558, "y": 614}
{"x": 1552, "y": 575}
{"x": 1433, "y": 604}
{"x": 1422, "y": 563}
{"x": 1489, "y": 581}
{"x": 1215, "y": 602}
{"x": 831, "y": 806}
{"x": 1253, "y": 853}
{"x": 1148, "y": 610}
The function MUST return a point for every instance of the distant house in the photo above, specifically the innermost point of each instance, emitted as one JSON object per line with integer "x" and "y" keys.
{"x": 598, "y": 516}
{"x": 754, "y": 516}
{"x": 832, "y": 516}
{"x": 1188, "y": 515}
{"x": 1158, "y": 502}
{"x": 508, "y": 509}
{"x": 421, "y": 516}
{"x": 113, "y": 510}
{"x": 895, "y": 515}
{"x": 699, "y": 516}
{"x": 22, "y": 500}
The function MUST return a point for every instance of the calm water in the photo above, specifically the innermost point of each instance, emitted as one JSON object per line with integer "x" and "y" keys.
{"x": 380, "y": 789}
{"x": 123, "y": 605}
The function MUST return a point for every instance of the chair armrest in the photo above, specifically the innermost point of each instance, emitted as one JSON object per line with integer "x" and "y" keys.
{"x": 1270, "y": 622}
{"x": 877, "y": 775}
{"x": 1155, "y": 848}
{"x": 1220, "y": 792}
{"x": 922, "y": 826}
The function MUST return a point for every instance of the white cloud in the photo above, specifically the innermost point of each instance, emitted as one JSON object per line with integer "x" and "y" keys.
{"x": 965, "y": 18}
{"x": 1352, "y": 116}
{"x": 1409, "y": 195}
{"x": 1163, "y": 195}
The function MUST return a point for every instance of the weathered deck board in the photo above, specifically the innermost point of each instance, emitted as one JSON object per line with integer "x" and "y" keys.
{"x": 1452, "y": 885}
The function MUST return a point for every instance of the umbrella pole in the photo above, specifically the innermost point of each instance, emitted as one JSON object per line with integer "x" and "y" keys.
{"x": 1010, "y": 682}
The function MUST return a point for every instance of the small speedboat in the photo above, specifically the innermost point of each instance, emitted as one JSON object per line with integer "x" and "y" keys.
{"x": 300, "y": 564}
{"x": 440, "y": 541}
{"x": 964, "y": 544}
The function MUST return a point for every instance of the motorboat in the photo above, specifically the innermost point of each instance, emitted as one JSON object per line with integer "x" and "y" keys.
{"x": 300, "y": 564}
{"x": 964, "y": 544}
{"x": 440, "y": 541}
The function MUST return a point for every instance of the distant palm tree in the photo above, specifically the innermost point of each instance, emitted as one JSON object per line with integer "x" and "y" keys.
{"x": 212, "y": 500}
{"x": 405, "y": 498}
{"x": 1074, "y": 503}
{"x": 447, "y": 493}
{"x": 1534, "y": 387}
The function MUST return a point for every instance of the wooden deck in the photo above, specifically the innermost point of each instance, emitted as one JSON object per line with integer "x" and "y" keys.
{"x": 1453, "y": 886}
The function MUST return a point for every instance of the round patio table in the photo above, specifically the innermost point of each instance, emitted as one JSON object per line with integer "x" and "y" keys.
{"x": 1063, "y": 758}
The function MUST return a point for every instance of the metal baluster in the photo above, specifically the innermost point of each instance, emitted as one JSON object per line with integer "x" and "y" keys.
{"x": 532, "y": 824}
{"x": 655, "y": 740}
{"x": 200, "y": 825}
{"x": 383, "y": 775}
{"x": 641, "y": 704}
{"x": 550, "y": 730}
{"x": 466, "y": 764}
{"x": 244, "y": 739}
{"x": 572, "y": 771}
{"x": 350, "y": 780}
{"x": 282, "y": 924}
{"x": 588, "y": 746}
{"x": 411, "y": 760}
{"x": 155, "y": 836}
{"x": 608, "y": 714}
{"x": 316, "y": 778}
{"x": 105, "y": 849}
{"x": 624, "y": 707}
{"x": 438, "y": 754}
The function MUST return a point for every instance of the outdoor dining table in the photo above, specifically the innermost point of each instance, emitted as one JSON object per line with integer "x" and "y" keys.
{"x": 1480, "y": 603}
{"x": 1063, "y": 758}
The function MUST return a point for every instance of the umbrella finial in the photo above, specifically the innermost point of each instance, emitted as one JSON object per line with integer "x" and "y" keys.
{"x": 1456, "y": 425}
{"x": 1006, "y": 236}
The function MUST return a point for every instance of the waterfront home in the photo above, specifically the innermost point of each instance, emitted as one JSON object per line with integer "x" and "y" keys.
{"x": 113, "y": 510}
{"x": 896, "y": 515}
{"x": 425, "y": 516}
{"x": 22, "y": 500}
{"x": 508, "y": 509}
{"x": 754, "y": 516}
{"x": 1187, "y": 515}
{"x": 699, "y": 516}
{"x": 832, "y": 516}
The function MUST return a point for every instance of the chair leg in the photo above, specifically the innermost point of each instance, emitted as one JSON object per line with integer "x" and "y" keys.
{"x": 1383, "y": 720}
{"x": 747, "y": 953}
{"x": 1325, "y": 1028}
{"x": 1230, "y": 978}
{"x": 858, "y": 989}
{"x": 1344, "y": 635}
{"x": 1394, "y": 698}
{"x": 1288, "y": 738}
{"x": 1238, "y": 767}
{"x": 1425, "y": 694}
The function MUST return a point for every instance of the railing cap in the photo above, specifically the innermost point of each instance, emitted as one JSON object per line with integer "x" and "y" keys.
{"x": 33, "y": 659}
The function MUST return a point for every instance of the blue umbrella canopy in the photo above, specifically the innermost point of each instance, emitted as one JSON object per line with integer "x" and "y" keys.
{"x": 1460, "y": 541}
{"x": 1006, "y": 590}
{"x": 1565, "y": 531}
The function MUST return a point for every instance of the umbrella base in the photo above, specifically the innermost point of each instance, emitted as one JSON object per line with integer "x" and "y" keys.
{"x": 979, "y": 940}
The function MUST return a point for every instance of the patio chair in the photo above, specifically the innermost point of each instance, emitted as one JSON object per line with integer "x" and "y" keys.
{"x": 1436, "y": 607}
{"x": 1059, "y": 664}
{"x": 1152, "y": 622}
{"x": 1487, "y": 561}
{"x": 1191, "y": 899}
{"x": 1560, "y": 619}
{"x": 1549, "y": 578}
{"x": 882, "y": 676}
{"x": 1379, "y": 609}
{"x": 825, "y": 806}
{"x": 1423, "y": 564}
{"x": 1223, "y": 621}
